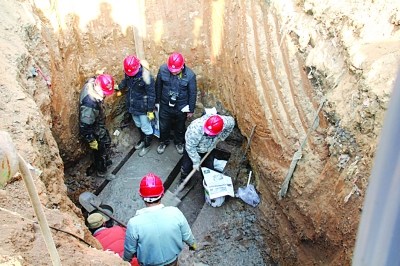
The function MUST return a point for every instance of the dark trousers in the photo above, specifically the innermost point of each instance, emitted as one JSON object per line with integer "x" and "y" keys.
{"x": 101, "y": 156}
{"x": 187, "y": 164}
{"x": 169, "y": 116}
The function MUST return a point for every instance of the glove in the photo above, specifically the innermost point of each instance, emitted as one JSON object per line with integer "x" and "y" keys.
{"x": 94, "y": 145}
{"x": 150, "y": 115}
{"x": 193, "y": 247}
{"x": 196, "y": 166}
{"x": 116, "y": 88}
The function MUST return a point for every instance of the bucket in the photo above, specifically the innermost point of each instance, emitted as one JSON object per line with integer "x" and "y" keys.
{"x": 217, "y": 202}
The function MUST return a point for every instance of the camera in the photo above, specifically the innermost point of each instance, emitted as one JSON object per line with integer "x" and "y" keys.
{"x": 172, "y": 100}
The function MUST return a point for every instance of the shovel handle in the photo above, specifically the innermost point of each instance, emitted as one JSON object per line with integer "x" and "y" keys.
{"x": 183, "y": 184}
{"x": 111, "y": 216}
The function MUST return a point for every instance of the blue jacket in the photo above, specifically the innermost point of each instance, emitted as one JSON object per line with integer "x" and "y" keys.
{"x": 141, "y": 95}
{"x": 184, "y": 86}
{"x": 156, "y": 234}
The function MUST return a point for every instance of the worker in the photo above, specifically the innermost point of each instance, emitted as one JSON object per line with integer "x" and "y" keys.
{"x": 202, "y": 136}
{"x": 92, "y": 119}
{"x": 140, "y": 99}
{"x": 176, "y": 92}
{"x": 110, "y": 237}
{"x": 156, "y": 233}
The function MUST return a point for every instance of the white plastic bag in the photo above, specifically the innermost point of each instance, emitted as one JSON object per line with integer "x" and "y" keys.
{"x": 249, "y": 195}
{"x": 219, "y": 165}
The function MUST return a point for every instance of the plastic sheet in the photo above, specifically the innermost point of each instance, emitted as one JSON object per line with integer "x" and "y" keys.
{"x": 249, "y": 195}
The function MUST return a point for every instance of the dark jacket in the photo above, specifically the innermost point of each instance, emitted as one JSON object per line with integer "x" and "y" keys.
{"x": 184, "y": 86}
{"x": 92, "y": 117}
{"x": 141, "y": 95}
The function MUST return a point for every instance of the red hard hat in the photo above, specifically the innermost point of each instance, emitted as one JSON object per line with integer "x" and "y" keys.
{"x": 131, "y": 65}
{"x": 175, "y": 63}
{"x": 213, "y": 125}
{"x": 151, "y": 186}
{"x": 106, "y": 83}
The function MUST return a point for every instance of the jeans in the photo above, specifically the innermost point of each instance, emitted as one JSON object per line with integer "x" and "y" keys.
{"x": 143, "y": 122}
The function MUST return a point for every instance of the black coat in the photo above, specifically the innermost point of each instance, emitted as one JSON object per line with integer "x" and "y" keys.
{"x": 184, "y": 86}
{"x": 140, "y": 98}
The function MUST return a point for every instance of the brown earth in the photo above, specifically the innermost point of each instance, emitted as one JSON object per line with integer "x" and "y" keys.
{"x": 270, "y": 64}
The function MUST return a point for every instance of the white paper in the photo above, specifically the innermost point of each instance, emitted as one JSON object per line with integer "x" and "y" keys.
{"x": 185, "y": 109}
{"x": 218, "y": 185}
{"x": 116, "y": 132}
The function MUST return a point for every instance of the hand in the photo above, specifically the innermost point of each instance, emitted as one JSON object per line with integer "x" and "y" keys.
{"x": 193, "y": 247}
{"x": 189, "y": 115}
{"x": 150, "y": 115}
{"x": 94, "y": 145}
{"x": 196, "y": 166}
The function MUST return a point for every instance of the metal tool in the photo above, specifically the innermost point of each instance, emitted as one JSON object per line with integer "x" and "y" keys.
{"x": 171, "y": 199}
{"x": 91, "y": 203}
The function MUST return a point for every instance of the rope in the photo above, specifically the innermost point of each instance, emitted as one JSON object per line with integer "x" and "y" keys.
{"x": 298, "y": 154}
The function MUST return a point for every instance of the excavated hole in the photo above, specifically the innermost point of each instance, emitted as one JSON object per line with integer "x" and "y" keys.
{"x": 234, "y": 221}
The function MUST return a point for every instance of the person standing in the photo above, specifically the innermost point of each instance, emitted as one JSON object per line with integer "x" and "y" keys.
{"x": 140, "y": 99}
{"x": 202, "y": 136}
{"x": 156, "y": 233}
{"x": 176, "y": 93}
{"x": 92, "y": 121}
{"x": 110, "y": 237}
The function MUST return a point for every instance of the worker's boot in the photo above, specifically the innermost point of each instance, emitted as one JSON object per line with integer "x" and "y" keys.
{"x": 101, "y": 168}
{"x": 147, "y": 143}
{"x": 140, "y": 143}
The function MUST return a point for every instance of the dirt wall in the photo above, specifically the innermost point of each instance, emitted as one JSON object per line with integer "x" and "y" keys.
{"x": 270, "y": 63}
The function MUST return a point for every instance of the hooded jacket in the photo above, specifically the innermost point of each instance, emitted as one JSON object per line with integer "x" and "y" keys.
{"x": 140, "y": 98}
{"x": 92, "y": 119}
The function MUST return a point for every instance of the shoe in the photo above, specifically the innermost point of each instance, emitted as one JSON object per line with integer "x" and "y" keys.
{"x": 101, "y": 174}
{"x": 144, "y": 150}
{"x": 139, "y": 145}
{"x": 179, "y": 148}
{"x": 109, "y": 162}
{"x": 161, "y": 148}
{"x": 111, "y": 177}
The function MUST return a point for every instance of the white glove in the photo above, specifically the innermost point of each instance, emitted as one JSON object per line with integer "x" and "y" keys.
{"x": 196, "y": 167}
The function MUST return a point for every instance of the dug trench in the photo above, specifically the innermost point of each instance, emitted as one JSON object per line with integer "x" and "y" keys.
{"x": 225, "y": 232}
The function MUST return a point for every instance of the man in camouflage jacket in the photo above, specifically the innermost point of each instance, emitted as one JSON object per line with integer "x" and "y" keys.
{"x": 202, "y": 136}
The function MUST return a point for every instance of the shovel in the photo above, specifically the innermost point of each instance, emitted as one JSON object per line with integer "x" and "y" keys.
{"x": 171, "y": 199}
{"x": 91, "y": 203}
